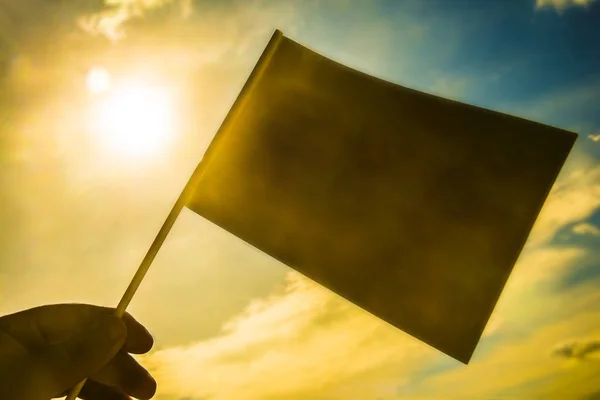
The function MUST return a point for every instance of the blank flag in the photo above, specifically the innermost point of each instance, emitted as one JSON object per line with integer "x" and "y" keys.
{"x": 411, "y": 206}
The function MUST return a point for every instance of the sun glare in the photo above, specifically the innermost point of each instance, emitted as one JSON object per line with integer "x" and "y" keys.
{"x": 98, "y": 80}
{"x": 134, "y": 120}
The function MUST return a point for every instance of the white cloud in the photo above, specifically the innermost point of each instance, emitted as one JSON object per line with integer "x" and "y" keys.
{"x": 299, "y": 344}
{"x": 525, "y": 367}
{"x": 594, "y": 137}
{"x": 450, "y": 87}
{"x": 109, "y": 22}
{"x": 560, "y": 5}
{"x": 586, "y": 229}
{"x": 574, "y": 197}
{"x": 542, "y": 263}
{"x": 528, "y": 291}
{"x": 307, "y": 343}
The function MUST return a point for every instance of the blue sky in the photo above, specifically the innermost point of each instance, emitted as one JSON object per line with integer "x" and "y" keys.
{"x": 229, "y": 322}
{"x": 518, "y": 54}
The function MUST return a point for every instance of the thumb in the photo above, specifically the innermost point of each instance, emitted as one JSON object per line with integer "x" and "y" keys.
{"x": 67, "y": 363}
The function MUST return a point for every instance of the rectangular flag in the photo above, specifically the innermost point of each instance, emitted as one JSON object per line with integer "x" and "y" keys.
{"x": 411, "y": 206}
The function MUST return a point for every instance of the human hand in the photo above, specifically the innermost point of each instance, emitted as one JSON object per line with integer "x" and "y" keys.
{"x": 47, "y": 350}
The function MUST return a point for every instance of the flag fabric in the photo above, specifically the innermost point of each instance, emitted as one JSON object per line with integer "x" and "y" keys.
{"x": 411, "y": 206}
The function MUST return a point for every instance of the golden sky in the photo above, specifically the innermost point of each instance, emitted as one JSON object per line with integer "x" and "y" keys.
{"x": 78, "y": 213}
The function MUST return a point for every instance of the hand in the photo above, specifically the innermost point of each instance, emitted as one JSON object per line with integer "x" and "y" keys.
{"x": 47, "y": 350}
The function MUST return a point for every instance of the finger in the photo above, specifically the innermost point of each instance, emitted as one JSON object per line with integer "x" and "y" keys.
{"x": 64, "y": 364}
{"x": 97, "y": 391}
{"x": 50, "y": 324}
{"x": 58, "y": 322}
{"x": 126, "y": 374}
{"x": 139, "y": 340}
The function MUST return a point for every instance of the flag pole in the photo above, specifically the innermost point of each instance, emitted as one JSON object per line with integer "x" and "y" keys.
{"x": 188, "y": 191}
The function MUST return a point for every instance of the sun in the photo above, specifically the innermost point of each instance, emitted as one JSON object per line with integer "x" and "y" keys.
{"x": 98, "y": 80}
{"x": 133, "y": 119}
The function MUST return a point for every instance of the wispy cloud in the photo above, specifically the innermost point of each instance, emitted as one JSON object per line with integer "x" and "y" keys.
{"x": 302, "y": 343}
{"x": 523, "y": 368}
{"x": 307, "y": 343}
{"x": 561, "y": 5}
{"x": 578, "y": 349}
{"x": 28, "y": 22}
{"x": 109, "y": 22}
{"x": 574, "y": 197}
{"x": 450, "y": 87}
{"x": 38, "y": 29}
{"x": 585, "y": 228}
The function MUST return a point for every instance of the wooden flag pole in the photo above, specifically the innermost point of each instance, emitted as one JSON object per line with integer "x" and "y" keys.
{"x": 143, "y": 268}
{"x": 188, "y": 191}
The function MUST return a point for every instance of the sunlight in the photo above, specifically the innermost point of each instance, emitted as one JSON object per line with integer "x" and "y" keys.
{"x": 134, "y": 120}
{"x": 98, "y": 80}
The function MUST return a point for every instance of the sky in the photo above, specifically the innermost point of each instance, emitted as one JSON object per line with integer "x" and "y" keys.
{"x": 78, "y": 213}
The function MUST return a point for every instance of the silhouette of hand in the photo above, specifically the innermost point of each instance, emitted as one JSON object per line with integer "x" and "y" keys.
{"x": 47, "y": 350}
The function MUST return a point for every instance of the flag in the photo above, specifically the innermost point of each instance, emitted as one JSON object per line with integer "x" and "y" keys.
{"x": 411, "y": 206}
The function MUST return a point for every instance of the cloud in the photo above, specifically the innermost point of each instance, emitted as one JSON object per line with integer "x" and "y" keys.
{"x": 450, "y": 87}
{"x": 594, "y": 137}
{"x": 301, "y": 343}
{"x": 49, "y": 41}
{"x": 574, "y": 197}
{"x": 542, "y": 263}
{"x": 561, "y": 5}
{"x": 110, "y": 21}
{"x": 305, "y": 342}
{"x": 33, "y": 23}
{"x": 577, "y": 349}
{"x": 586, "y": 229}
{"x": 522, "y": 367}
